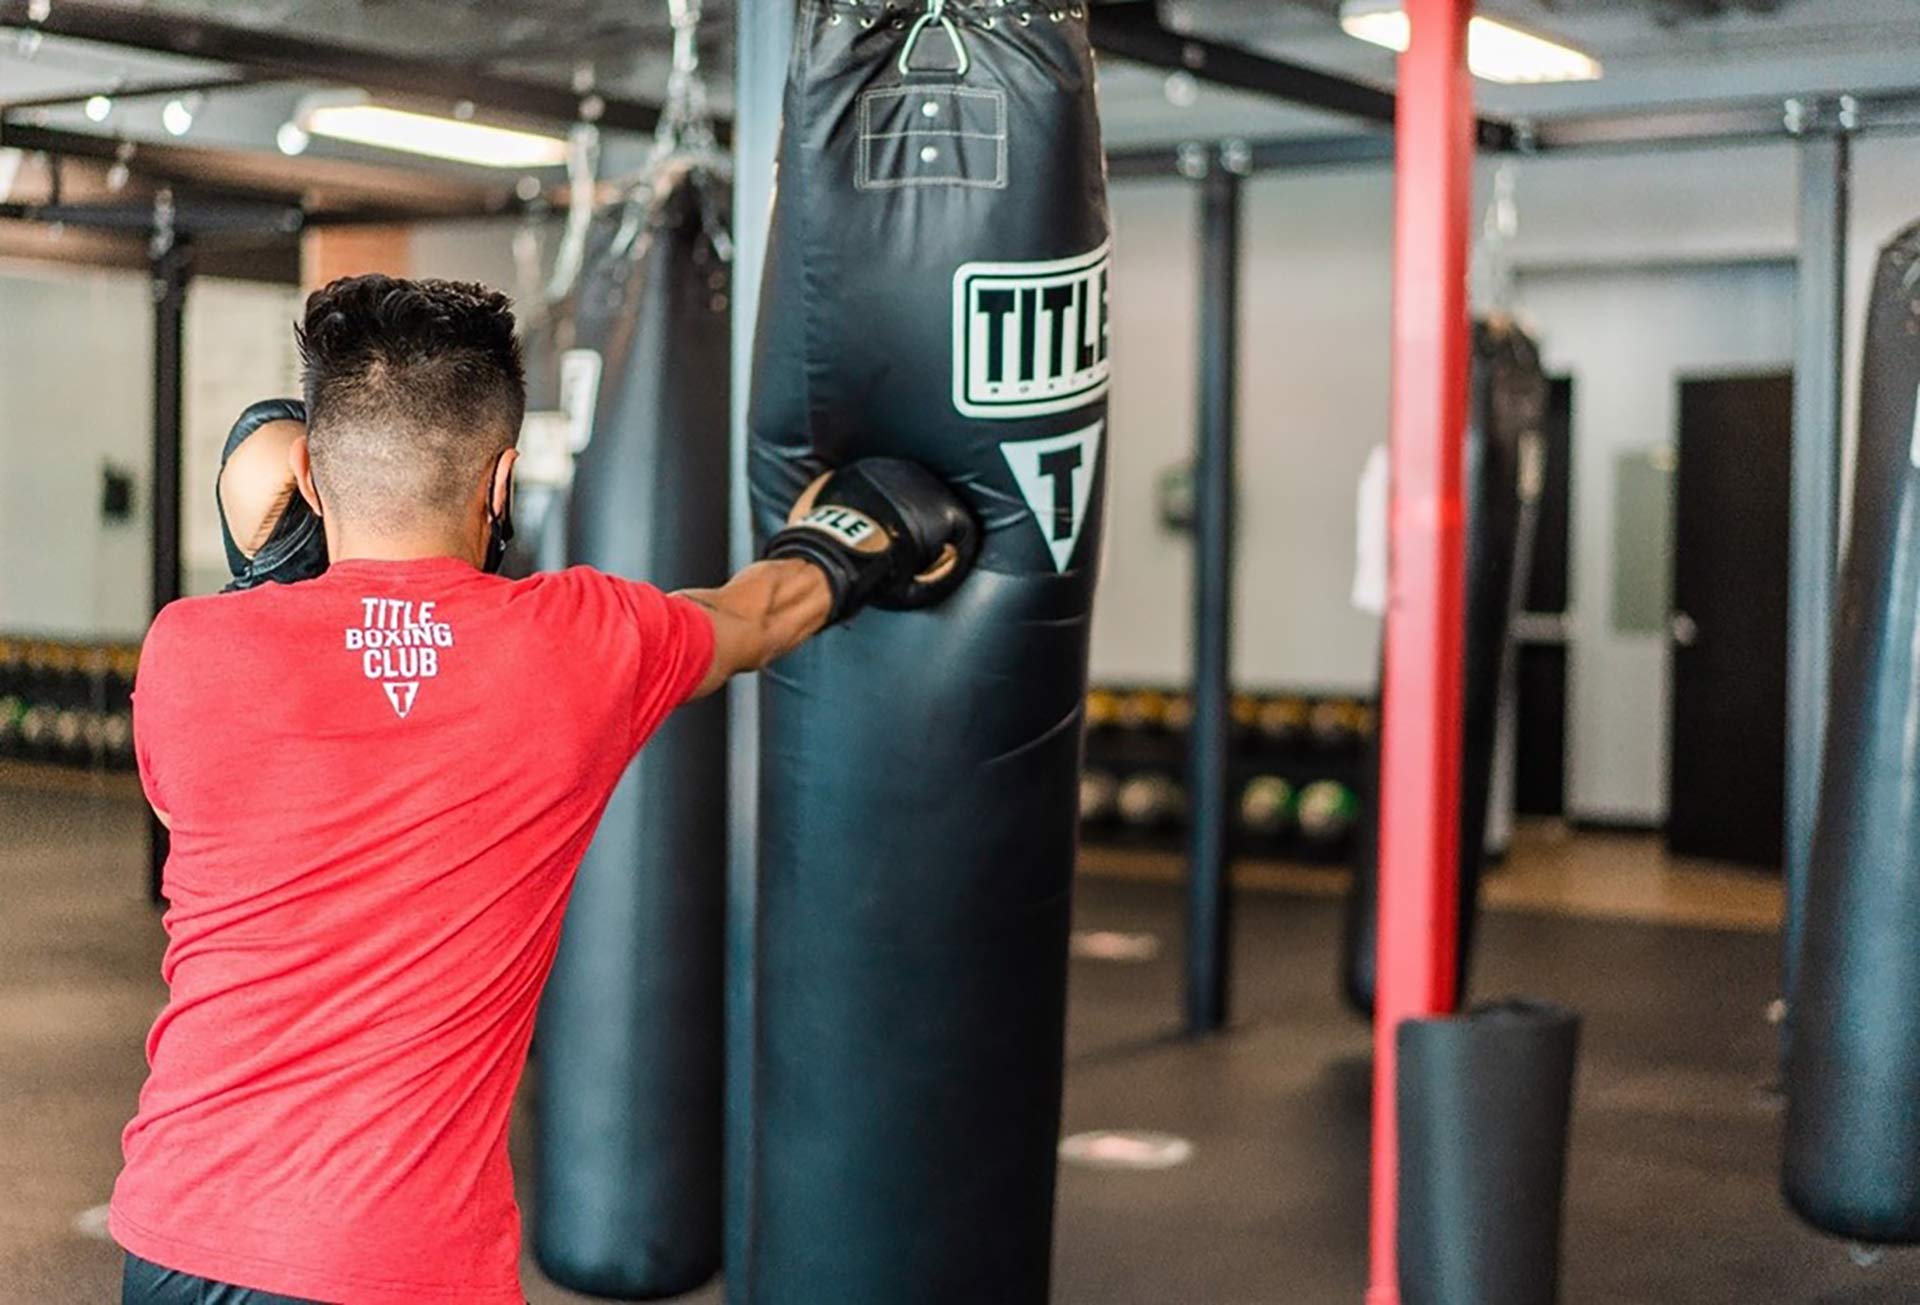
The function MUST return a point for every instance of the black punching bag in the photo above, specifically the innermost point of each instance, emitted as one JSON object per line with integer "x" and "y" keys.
{"x": 629, "y": 1038}
{"x": 1853, "y": 1072}
{"x": 1484, "y": 1102}
{"x": 1508, "y": 402}
{"x": 935, "y": 289}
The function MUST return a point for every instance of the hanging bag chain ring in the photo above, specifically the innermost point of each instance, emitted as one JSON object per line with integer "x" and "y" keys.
{"x": 936, "y": 12}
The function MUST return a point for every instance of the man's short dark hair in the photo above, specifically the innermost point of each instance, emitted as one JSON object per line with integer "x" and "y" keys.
{"x": 413, "y": 390}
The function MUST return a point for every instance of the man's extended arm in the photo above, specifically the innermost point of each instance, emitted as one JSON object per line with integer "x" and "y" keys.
{"x": 878, "y": 531}
{"x": 763, "y": 613}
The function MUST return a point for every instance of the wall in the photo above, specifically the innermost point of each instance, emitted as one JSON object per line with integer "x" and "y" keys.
{"x": 76, "y": 360}
{"x": 75, "y": 369}
{"x": 239, "y": 349}
{"x": 1612, "y": 228}
{"x": 1627, "y": 337}
{"x": 1313, "y": 399}
{"x": 75, "y": 394}
{"x": 479, "y": 250}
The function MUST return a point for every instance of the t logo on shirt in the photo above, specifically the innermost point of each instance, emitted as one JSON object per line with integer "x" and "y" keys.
{"x": 399, "y": 644}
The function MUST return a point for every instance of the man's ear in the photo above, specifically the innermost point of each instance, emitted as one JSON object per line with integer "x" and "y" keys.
{"x": 302, "y": 464}
{"x": 500, "y": 493}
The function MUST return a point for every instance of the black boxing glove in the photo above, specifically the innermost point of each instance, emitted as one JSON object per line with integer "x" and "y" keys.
{"x": 885, "y": 531}
{"x": 269, "y": 531}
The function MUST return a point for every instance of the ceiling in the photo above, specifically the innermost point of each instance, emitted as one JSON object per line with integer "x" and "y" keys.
{"x": 1655, "y": 52}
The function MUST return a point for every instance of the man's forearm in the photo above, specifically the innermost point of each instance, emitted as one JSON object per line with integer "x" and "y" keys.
{"x": 878, "y": 531}
{"x": 764, "y": 612}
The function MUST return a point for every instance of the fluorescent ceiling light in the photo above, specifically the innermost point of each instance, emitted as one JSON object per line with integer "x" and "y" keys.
{"x": 1496, "y": 51}
{"x": 440, "y": 138}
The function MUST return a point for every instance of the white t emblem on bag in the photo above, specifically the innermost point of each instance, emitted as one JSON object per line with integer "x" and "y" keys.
{"x": 1055, "y": 476}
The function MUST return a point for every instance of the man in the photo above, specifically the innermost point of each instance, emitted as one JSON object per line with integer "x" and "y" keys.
{"x": 379, "y": 784}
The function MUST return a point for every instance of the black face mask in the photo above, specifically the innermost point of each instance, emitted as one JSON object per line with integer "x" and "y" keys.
{"x": 499, "y": 529}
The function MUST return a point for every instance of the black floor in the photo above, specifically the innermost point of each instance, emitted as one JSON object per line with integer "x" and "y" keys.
{"x": 1674, "y": 1160}
{"x": 1675, "y": 1139}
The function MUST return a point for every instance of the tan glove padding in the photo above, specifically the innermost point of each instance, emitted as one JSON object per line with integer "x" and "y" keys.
{"x": 257, "y": 484}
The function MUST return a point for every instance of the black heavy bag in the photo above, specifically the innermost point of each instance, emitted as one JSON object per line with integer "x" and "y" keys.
{"x": 1508, "y": 402}
{"x": 629, "y": 1038}
{"x": 935, "y": 290}
{"x": 1484, "y": 1101}
{"x": 1853, "y": 1071}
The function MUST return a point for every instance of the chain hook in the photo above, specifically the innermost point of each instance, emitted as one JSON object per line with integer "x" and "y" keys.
{"x": 936, "y": 12}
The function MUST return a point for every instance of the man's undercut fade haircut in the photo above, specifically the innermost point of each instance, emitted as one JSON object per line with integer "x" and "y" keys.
{"x": 413, "y": 389}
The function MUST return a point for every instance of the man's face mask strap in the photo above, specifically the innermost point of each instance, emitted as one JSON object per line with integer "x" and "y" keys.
{"x": 499, "y": 527}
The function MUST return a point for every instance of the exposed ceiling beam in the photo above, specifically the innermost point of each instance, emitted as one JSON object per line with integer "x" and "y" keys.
{"x": 326, "y": 189}
{"x": 1678, "y": 11}
{"x": 189, "y": 217}
{"x": 1675, "y": 127}
{"x": 1131, "y": 29}
{"x": 300, "y": 58}
{"x": 133, "y": 91}
{"x": 1728, "y": 122}
{"x": 1285, "y": 153}
{"x": 276, "y": 260}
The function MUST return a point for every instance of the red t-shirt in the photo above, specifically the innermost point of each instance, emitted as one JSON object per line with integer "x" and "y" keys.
{"x": 381, "y": 783}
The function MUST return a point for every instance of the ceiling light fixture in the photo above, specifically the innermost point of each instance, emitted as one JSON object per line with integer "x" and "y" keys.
{"x": 1181, "y": 90}
{"x": 177, "y": 115}
{"x": 441, "y": 138}
{"x": 1496, "y": 51}
{"x": 98, "y": 107}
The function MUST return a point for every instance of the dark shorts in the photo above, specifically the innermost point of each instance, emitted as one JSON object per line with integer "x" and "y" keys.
{"x": 146, "y": 1283}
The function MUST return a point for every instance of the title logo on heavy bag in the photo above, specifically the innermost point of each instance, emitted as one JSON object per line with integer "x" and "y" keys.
{"x": 1030, "y": 338}
{"x": 1055, "y": 476}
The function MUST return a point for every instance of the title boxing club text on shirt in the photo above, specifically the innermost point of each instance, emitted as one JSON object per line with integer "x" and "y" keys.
{"x": 399, "y": 644}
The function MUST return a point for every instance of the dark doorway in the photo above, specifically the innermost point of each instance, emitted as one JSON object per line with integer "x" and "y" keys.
{"x": 1728, "y": 632}
{"x": 1540, "y": 633}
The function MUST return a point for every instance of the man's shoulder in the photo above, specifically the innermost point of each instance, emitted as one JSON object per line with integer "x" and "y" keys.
{"x": 181, "y": 617}
{"x": 206, "y": 620}
{"x": 582, "y": 602}
{"x": 579, "y": 583}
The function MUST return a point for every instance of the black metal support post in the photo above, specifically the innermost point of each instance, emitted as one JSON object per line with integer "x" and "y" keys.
{"x": 1209, "y": 891}
{"x": 172, "y": 269}
{"x": 1815, "y": 517}
{"x": 763, "y": 43}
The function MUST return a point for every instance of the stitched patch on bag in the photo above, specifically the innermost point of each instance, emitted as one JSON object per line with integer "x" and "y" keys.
{"x": 932, "y": 136}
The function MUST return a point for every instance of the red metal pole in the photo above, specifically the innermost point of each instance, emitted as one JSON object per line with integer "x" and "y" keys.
{"x": 1422, "y": 680}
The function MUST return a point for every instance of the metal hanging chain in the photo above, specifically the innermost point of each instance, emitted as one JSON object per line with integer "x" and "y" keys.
{"x": 583, "y": 168}
{"x": 1492, "y": 271}
{"x": 684, "y": 135}
{"x": 936, "y": 13}
{"x": 685, "y": 124}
